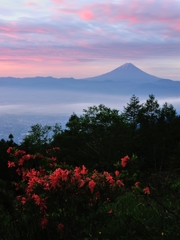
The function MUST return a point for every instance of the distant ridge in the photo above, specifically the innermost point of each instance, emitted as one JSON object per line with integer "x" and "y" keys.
{"x": 126, "y": 72}
{"x": 126, "y": 79}
{"x": 48, "y": 94}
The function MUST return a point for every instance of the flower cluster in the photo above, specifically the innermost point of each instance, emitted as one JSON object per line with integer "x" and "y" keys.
{"x": 124, "y": 161}
{"x": 41, "y": 184}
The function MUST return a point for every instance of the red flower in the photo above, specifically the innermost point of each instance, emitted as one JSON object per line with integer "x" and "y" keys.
{"x": 18, "y": 170}
{"x": 120, "y": 183}
{"x": 20, "y": 162}
{"x": 61, "y": 226}
{"x": 137, "y": 184}
{"x": 109, "y": 178}
{"x": 81, "y": 183}
{"x": 92, "y": 185}
{"x": 9, "y": 150}
{"x": 44, "y": 222}
{"x": 110, "y": 211}
{"x": 11, "y": 164}
{"x": 124, "y": 161}
{"x": 19, "y": 152}
{"x": 17, "y": 186}
{"x": 37, "y": 199}
{"x": 64, "y": 175}
{"x": 26, "y": 157}
{"x": 98, "y": 195}
{"x": 146, "y": 190}
{"x": 116, "y": 173}
{"x": 52, "y": 159}
{"x": 23, "y": 200}
{"x": 84, "y": 170}
{"x": 77, "y": 172}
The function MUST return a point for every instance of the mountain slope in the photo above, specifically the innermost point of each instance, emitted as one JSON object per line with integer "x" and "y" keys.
{"x": 126, "y": 79}
{"x": 127, "y": 72}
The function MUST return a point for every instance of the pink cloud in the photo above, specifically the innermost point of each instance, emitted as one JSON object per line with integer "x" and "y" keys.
{"x": 136, "y": 11}
{"x": 49, "y": 58}
{"x": 86, "y": 15}
{"x": 32, "y": 4}
{"x": 50, "y": 54}
{"x": 4, "y": 29}
{"x": 57, "y": 1}
{"x": 134, "y": 30}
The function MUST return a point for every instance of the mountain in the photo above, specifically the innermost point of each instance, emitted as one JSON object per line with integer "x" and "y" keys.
{"x": 127, "y": 72}
{"x": 27, "y": 101}
{"x": 126, "y": 79}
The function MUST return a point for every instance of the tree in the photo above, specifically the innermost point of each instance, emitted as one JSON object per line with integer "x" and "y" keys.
{"x": 150, "y": 110}
{"x": 132, "y": 110}
{"x": 97, "y": 138}
{"x": 40, "y": 137}
{"x": 168, "y": 113}
{"x": 156, "y": 136}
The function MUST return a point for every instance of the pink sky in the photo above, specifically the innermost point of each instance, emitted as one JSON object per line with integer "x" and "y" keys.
{"x": 70, "y": 38}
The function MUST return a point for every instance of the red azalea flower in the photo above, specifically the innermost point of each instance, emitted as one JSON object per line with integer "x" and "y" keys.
{"x": 23, "y": 200}
{"x": 11, "y": 164}
{"x": 64, "y": 175}
{"x": 84, "y": 170}
{"x": 116, "y": 173}
{"x": 17, "y": 186}
{"x": 92, "y": 185}
{"x": 26, "y": 157}
{"x": 146, "y": 190}
{"x": 44, "y": 222}
{"x": 98, "y": 195}
{"x": 9, "y": 150}
{"x": 81, "y": 183}
{"x": 137, "y": 184}
{"x": 61, "y": 226}
{"x": 52, "y": 159}
{"x": 120, "y": 183}
{"x": 124, "y": 161}
{"x": 37, "y": 199}
{"x": 18, "y": 170}
{"x": 19, "y": 152}
{"x": 110, "y": 179}
{"x": 20, "y": 162}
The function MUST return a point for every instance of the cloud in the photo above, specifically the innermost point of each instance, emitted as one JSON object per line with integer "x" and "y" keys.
{"x": 57, "y": 2}
{"x": 86, "y": 15}
{"x": 32, "y": 4}
{"x": 87, "y": 31}
{"x": 138, "y": 11}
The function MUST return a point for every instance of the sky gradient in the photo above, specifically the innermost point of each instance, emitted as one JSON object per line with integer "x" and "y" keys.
{"x": 80, "y": 38}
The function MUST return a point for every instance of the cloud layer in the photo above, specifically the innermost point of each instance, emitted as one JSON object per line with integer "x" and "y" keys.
{"x": 62, "y": 37}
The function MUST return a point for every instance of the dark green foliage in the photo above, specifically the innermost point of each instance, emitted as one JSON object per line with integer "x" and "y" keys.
{"x": 40, "y": 137}
{"x": 101, "y": 136}
{"x": 98, "y": 139}
{"x": 4, "y": 173}
{"x": 156, "y": 139}
{"x": 132, "y": 111}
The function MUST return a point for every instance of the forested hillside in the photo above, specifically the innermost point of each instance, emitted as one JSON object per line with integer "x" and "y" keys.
{"x": 137, "y": 150}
